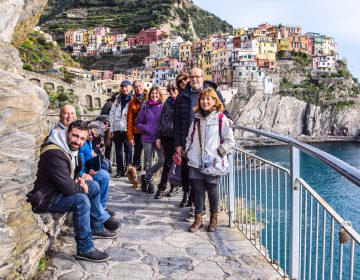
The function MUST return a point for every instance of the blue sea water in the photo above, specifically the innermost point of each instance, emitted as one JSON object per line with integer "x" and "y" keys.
{"x": 342, "y": 195}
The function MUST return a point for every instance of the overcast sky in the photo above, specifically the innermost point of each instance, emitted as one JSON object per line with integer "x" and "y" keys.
{"x": 338, "y": 19}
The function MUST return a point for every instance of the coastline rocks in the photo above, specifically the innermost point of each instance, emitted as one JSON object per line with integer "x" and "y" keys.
{"x": 289, "y": 116}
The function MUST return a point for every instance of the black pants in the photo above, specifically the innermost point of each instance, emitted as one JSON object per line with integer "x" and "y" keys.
{"x": 121, "y": 143}
{"x": 185, "y": 181}
{"x": 200, "y": 187}
{"x": 138, "y": 147}
{"x": 108, "y": 150}
{"x": 169, "y": 150}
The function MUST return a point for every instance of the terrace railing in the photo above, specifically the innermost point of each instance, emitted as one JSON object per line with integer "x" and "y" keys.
{"x": 300, "y": 234}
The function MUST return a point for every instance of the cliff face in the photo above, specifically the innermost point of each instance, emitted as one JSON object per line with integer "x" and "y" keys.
{"x": 316, "y": 108}
{"x": 22, "y": 111}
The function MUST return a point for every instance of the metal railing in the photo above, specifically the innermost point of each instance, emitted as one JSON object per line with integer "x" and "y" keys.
{"x": 299, "y": 234}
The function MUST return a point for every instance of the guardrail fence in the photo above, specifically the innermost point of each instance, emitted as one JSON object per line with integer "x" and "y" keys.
{"x": 285, "y": 219}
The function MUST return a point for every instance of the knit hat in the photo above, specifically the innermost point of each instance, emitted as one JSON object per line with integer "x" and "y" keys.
{"x": 125, "y": 83}
{"x": 98, "y": 126}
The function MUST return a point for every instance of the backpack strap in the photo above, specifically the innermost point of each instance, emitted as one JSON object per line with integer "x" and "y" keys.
{"x": 52, "y": 147}
{"x": 196, "y": 120}
{"x": 221, "y": 115}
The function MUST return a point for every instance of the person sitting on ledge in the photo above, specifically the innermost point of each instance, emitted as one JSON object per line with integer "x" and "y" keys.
{"x": 59, "y": 189}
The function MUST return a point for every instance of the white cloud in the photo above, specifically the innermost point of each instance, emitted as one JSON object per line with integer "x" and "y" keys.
{"x": 338, "y": 19}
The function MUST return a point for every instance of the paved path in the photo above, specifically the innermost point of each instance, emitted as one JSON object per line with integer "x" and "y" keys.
{"x": 153, "y": 243}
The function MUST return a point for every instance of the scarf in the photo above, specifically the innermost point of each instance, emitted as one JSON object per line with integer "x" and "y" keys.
{"x": 153, "y": 103}
{"x": 124, "y": 99}
{"x": 171, "y": 101}
{"x": 58, "y": 137}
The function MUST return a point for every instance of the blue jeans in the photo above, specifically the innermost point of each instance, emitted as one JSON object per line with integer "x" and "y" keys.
{"x": 88, "y": 215}
{"x": 103, "y": 177}
{"x": 151, "y": 169}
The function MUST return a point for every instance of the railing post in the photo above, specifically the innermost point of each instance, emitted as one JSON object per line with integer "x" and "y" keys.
{"x": 295, "y": 209}
{"x": 231, "y": 190}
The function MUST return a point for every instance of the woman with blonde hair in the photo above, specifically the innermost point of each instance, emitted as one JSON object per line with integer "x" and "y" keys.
{"x": 147, "y": 121}
{"x": 210, "y": 138}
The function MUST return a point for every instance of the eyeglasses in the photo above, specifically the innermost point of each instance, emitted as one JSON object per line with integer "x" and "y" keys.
{"x": 195, "y": 77}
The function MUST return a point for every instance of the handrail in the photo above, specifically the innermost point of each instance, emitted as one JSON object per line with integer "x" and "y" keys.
{"x": 345, "y": 169}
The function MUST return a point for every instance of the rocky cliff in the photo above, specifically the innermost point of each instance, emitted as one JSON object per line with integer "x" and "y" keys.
{"x": 301, "y": 106}
{"x": 24, "y": 236}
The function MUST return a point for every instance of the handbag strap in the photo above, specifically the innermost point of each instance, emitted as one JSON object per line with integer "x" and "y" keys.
{"x": 199, "y": 136}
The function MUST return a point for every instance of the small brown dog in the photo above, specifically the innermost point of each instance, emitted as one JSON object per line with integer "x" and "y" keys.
{"x": 131, "y": 173}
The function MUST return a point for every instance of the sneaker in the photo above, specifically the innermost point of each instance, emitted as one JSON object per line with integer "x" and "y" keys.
{"x": 111, "y": 224}
{"x": 191, "y": 216}
{"x": 105, "y": 234}
{"x": 119, "y": 174}
{"x": 93, "y": 256}
{"x": 173, "y": 191}
{"x": 159, "y": 194}
{"x": 111, "y": 213}
{"x": 151, "y": 188}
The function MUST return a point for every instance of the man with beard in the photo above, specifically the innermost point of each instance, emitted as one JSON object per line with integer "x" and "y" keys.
{"x": 59, "y": 189}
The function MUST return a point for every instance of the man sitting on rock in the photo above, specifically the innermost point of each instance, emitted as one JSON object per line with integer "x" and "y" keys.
{"x": 59, "y": 189}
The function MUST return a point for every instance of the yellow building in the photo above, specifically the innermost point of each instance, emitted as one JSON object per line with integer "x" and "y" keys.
{"x": 239, "y": 32}
{"x": 185, "y": 52}
{"x": 283, "y": 44}
{"x": 267, "y": 47}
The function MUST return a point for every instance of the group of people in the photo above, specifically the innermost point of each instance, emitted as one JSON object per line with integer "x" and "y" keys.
{"x": 190, "y": 123}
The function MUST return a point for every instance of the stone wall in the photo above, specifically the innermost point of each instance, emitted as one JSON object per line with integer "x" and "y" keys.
{"x": 24, "y": 236}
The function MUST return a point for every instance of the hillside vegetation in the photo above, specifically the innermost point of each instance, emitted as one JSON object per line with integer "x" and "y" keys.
{"x": 39, "y": 55}
{"x": 131, "y": 16}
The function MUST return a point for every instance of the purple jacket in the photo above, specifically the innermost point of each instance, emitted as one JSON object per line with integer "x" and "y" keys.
{"x": 147, "y": 119}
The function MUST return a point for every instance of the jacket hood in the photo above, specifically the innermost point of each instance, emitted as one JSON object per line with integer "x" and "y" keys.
{"x": 58, "y": 137}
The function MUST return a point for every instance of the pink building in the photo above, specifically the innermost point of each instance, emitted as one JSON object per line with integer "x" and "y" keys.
{"x": 287, "y": 31}
{"x": 145, "y": 37}
{"x": 107, "y": 75}
{"x": 101, "y": 31}
{"x": 265, "y": 26}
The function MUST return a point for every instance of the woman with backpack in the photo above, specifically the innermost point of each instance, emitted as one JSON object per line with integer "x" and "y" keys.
{"x": 147, "y": 121}
{"x": 209, "y": 140}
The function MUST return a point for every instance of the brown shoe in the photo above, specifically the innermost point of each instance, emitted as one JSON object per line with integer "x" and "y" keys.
{"x": 198, "y": 223}
{"x": 213, "y": 222}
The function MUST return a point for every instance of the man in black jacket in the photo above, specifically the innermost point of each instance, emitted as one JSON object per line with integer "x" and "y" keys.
{"x": 183, "y": 117}
{"x": 58, "y": 189}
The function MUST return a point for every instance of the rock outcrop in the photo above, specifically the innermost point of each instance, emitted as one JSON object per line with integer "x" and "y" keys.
{"x": 24, "y": 236}
{"x": 290, "y": 116}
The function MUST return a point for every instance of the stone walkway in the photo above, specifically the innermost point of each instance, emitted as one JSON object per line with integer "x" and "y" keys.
{"x": 153, "y": 243}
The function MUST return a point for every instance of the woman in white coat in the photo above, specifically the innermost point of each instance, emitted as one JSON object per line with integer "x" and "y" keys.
{"x": 216, "y": 138}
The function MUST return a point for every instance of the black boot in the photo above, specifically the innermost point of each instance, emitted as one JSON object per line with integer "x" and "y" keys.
{"x": 144, "y": 183}
{"x": 184, "y": 201}
{"x": 160, "y": 193}
{"x": 151, "y": 188}
{"x": 173, "y": 190}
